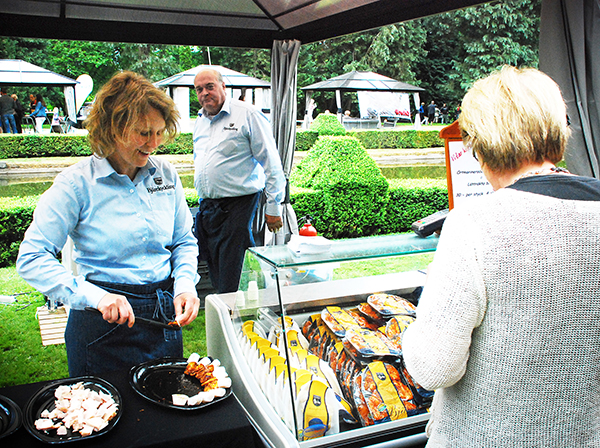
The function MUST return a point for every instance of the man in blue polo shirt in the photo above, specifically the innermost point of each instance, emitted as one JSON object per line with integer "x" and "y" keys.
{"x": 235, "y": 158}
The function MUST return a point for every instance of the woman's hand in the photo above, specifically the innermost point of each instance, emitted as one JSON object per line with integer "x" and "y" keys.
{"x": 116, "y": 308}
{"x": 186, "y": 308}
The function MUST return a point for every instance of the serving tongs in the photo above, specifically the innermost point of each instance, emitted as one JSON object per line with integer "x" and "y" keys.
{"x": 153, "y": 323}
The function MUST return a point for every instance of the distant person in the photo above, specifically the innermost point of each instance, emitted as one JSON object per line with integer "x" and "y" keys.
{"x": 235, "y": 159}
{"x": 55, "y": 126}
{"x": 422, "y": 114}
{"x": 39, "y": 113}
{"x": 431, "y": 112}
{"x": 32, "y": 103}
{"x": 444, "y": 112}
{"x": 19, "y": 113}
{"x": 126, "y": 212}
{"x": 7, "y": 112}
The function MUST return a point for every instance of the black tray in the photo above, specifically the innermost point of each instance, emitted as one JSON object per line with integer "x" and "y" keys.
{"x": 159, "y": 379}
{"x": 10, "y": 416}
{"x": 44, "y": 399}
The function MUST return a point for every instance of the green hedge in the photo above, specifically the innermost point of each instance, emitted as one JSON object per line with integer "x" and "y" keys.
{"x": 55, "y": 145}
{"x": 409, "y": 200}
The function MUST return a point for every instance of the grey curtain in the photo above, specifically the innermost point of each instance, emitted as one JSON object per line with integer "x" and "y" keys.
{"x": 569, "y": 53}
{"x": 284, "y": 66}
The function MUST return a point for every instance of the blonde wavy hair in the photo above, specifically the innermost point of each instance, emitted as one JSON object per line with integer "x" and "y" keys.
{"x": 120, "y": 105}
{"x": 514, "y": 116}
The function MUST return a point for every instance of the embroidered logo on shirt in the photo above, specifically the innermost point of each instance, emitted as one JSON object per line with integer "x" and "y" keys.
{"x": 153, "y": 190}
{"x": 158, "y": 180}
{"x": 230, "y": 127}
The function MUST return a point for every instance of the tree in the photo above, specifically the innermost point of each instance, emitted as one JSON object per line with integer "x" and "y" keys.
{"x": 392, "y": 51}
{"x": 465, "y": 45}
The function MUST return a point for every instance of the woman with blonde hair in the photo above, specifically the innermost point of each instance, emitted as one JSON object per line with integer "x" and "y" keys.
{"x": 507, "y": 325}
{"x": 126, "y": 212}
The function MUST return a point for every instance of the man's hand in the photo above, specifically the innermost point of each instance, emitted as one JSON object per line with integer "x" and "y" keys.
{"x": 186, "y": 308}
{"x": 274, "y": 223}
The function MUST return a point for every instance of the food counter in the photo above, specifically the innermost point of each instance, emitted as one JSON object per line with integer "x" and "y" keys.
{"x": 298, "y": 287}
{"x": 145, "y": 424}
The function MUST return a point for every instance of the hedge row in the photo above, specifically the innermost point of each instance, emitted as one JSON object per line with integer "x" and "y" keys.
{"x": 32, "y": 145}
{"x": 409, "y": 200}
{"x": 35, "y": 145}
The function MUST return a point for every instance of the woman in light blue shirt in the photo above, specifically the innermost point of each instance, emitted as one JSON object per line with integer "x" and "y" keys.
{"x": 132, "y": 231}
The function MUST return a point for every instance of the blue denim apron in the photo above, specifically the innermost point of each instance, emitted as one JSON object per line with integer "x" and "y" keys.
{"x": 95, "y": 345}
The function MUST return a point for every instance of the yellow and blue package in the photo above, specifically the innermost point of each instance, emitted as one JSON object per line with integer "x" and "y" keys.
{"x": 319, "y": 410}
{"x": 295, "y": 341}
{"x": 371, "y": 314}
{"x": 311, "y": 325}
{"x": 370, "y": 343}
{"x": 389, "y": 305}
{"x": 339, "y": 320}
{"x": 386, "y": 395}
{"x": 395, "y": 327}
{"x": 251, "y": 326}
{"x": 423, "y": 397}
{"x": 321, "y": 369}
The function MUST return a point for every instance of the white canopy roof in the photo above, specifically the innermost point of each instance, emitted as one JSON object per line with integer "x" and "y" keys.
{"x": 15, "y": 72}
{"x": 232, "y": 79}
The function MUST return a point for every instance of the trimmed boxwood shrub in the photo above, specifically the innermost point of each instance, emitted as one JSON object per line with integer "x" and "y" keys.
{"x": 353, "y": 190}
{"x": 305, "y": 140}
{"x": 327, "y": 124}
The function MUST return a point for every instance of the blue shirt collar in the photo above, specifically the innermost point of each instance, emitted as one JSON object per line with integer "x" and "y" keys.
{"x": 105, "y": 169}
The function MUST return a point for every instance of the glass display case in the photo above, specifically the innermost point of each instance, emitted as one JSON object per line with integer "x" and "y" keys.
{"x": 312, "y": 341}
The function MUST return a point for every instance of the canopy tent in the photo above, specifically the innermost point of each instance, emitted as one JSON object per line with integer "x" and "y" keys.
{"x": 15, "y": 72}
{"x": 232, "y": 79}
{"x": 226, "y": 23}
{"x": 235, "y": 82}
{"x": 358, "y": 81}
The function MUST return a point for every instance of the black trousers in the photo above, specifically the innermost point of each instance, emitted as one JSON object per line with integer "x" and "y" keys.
{"x": 224, "y": 231}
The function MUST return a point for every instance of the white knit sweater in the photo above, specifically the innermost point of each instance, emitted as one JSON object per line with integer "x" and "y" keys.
{"x": 508, "y": 325}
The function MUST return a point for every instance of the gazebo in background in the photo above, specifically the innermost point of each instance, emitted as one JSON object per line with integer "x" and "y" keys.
{"x": 15, "y": 72}
{"x": 238, "y": 85}
{"x": 359, "y": 81}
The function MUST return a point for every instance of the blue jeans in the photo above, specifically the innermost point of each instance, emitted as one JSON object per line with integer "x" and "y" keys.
{"x": 223, "y": 228}
{"x": 95, "y": 346}
{"x": 9, "y": 124}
